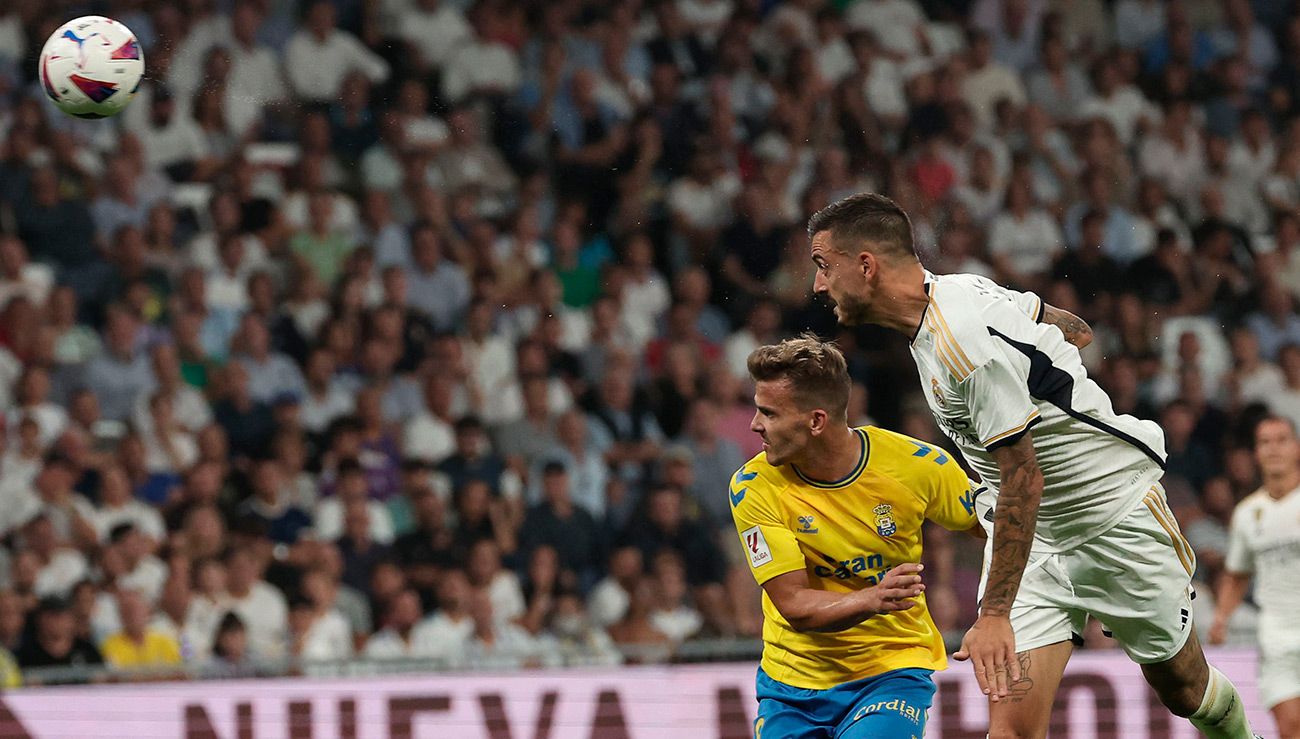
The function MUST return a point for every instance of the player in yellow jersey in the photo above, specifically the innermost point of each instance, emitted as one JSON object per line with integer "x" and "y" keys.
{"x": 830, "y": 518}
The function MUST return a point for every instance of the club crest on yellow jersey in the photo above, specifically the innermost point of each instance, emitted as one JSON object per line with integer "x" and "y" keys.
{"x": 885, "y": 525}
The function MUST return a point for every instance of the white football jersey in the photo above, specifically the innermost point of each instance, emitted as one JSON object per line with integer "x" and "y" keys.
{"x": 1264, "y": 540}
{"x": 991, "y": 372}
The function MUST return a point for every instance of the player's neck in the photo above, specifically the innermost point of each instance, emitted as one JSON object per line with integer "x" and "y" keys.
{"x": 1279, "y": 486}
{"x": 901, "y": 302}
{"x": 833, "y": 455}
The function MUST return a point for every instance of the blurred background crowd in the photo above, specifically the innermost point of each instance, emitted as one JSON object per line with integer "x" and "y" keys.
{"x": 417, "y": 328}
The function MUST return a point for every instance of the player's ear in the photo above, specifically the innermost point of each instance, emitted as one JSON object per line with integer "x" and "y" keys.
{"x": 817, "y": 422}
{"x": 868, "y": 263}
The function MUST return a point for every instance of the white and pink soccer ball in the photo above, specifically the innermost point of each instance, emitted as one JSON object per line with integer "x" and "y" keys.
{"x": 91, "y": 67}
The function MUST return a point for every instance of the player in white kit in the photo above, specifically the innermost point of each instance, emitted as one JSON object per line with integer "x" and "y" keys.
{"x": 1264, "y": 543}
{"x": 1078, "y": 521}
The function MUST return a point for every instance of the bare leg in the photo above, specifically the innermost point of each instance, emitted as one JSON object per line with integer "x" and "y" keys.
{"x": 1287, "y": 716}
{"x": 1184, "y": 685}
{"x": 1027, "y": 709}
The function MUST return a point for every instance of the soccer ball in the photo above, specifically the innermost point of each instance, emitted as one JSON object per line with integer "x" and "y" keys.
{"x": 91, "y": 67}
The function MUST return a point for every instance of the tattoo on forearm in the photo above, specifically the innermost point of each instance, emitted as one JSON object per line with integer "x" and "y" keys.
{"x": 1075, "y": 328}
{"x": 1014, "y": 521}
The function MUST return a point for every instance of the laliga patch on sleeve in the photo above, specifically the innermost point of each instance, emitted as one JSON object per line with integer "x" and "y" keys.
{"x": 756, "y": 547}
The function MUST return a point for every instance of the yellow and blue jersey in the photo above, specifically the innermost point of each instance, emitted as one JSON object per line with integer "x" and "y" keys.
{"x": 846, "y": 535}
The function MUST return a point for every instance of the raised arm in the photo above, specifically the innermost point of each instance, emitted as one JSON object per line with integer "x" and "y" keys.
{"x": 810, "y": 609}
{"x": 990, "y": 644}
{"x": 1076, "y": 330}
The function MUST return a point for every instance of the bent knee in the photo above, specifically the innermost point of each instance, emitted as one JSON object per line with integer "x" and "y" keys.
{"x": 1183, "y": 700}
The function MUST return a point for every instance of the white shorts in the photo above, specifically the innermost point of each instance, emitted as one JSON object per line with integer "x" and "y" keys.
{"x": 1135, "y": 579}
{"x": 1279, "y": 658}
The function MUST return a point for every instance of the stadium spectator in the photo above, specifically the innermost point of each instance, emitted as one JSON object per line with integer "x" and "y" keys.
{"x": 139, "y": 645}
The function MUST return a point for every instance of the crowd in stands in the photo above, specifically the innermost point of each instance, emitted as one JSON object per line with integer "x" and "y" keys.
{"x": 417, "y": 328}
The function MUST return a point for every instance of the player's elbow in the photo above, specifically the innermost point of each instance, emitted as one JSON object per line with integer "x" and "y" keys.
{"x": 1083, "y": 336}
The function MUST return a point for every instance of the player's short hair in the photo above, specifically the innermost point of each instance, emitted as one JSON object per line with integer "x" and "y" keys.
{"x": 815, "y": 369}
{"x": 867, "y": 216}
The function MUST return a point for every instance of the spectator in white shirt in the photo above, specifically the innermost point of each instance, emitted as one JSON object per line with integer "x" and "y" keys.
{"x": 701, "y": 203}
{"x": 57, "y": 566}
{"x": 320, "y": 56}
{"x": 32, "y": 400}
{"x": 608, "y": 601}
{"x": 1173, "y": 152}
{"x": 262, "y": 607}
{"x": 984, "y": 191}
{"x": 352, "y": 488}
{"x": 502, "y": 586}
{"x": 480, "y": 65}
{"x": 20, "y": 276}
{"x": 319, "y": 632}
{"x": 434, "y": 30}
{"x": 988, "y": 82}
{"x": 324, "y": 399}
{"x": 270, "y": 373}
{"x": 900, "y": 25}
{"x": 142, "y": 571}
{"x": 498, "y": 643}
{"x": 1122, "y": 104}
{"x": 175, "y": 143}
{"x": 1251, "y": 379}
{"x": 255, "y": 73}
{"x": 645, "y": 295}
{"x": 1023, "y": 240}
{"x": 429, "y": 436}
{"x": 400, "y": 639}
{"x": 761, "y": 326}
{"x": 117, "y": 507}
{"x": 169, "y": 447}
{"x": 190, "y": 409}
{"x": 446, "y": 632}
{"x": 673, "y": 614}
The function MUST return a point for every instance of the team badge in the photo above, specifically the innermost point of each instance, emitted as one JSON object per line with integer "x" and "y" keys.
{"x": 885, "y": 519}
{"x": 806, "y": 525}
{"x": 938, "y": 395}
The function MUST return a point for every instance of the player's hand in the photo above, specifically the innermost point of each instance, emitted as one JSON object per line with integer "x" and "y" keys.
{"x": 1218, "y": 631}
{"x": 990, "y": 645}
{"x": 896, "y": 589}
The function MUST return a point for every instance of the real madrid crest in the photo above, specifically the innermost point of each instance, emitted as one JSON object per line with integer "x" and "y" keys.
{"x": 938, "y": 394}
{"x": 885, "y": 525}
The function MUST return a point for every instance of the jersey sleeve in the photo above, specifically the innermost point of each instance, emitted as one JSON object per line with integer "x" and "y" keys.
{"x": 1026, "y": 302}
{"x": 952, "y": 497}
{"x": 1029, "y": 304}
{"x": 997, "y": 395}
{"x": 770, "y": 546}
{"x": 1240, "y": 558}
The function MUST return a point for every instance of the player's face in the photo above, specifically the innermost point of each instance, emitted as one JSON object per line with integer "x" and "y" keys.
{"x": 1276, "y": 448}
{"x": 841, "y": 279}
{"x": 778, "y": 420}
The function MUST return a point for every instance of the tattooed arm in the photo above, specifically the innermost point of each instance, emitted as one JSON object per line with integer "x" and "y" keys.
{"x": 1076, "y": 330}
{"x": 990, "y": 644}
{"x": 1014, "y": 521}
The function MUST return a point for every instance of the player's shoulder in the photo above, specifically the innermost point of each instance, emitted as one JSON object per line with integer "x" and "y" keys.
{"x": 757, "y": 478}
{"x": 903, "y": 457}
{"x": 970, "y": 301}
{"x": 956, "y": 317}
{"x": 1251, "y": 506}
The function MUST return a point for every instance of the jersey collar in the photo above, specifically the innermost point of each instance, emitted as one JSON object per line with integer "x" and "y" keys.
{"x": 864, "y": 452}
{"x": 928, "y": 285}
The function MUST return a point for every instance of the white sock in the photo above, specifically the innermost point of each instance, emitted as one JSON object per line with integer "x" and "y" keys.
{"x": 1221, "y": 715}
